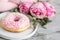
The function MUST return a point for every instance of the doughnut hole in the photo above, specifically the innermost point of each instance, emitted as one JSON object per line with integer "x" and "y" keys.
{"x": 17, "y": 19}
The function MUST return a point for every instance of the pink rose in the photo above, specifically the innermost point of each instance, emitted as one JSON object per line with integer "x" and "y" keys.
{"x": 38, "y": 10}
{"x": 24, "y": 7}
{"x": 50, "y": 11}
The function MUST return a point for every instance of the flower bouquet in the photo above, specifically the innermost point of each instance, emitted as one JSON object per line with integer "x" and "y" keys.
{"x": 41, "y": 12}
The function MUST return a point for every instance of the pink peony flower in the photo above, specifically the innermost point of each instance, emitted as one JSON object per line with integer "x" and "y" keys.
{"x": 42, "y": 9}
{"x": 24, "y": 7}
{"x": 50, "y": 11}
{"x": 38, "y": 10}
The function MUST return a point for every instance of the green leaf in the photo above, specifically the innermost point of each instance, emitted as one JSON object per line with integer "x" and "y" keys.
{"x": 44, "y": 21}
{"x": 15, "y": 10}
{"x": 34, "y": 18}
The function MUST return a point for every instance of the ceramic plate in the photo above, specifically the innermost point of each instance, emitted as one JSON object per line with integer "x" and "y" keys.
{"x": 22, "y": 35}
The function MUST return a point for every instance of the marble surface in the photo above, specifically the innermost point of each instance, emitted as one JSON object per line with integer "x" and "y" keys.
{"x": 49, "y": 33}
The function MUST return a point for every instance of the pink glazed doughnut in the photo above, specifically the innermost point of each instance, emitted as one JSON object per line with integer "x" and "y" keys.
{"x": 15, "y": 22}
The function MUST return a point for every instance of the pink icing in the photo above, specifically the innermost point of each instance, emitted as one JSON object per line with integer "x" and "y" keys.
{"x": 16, "y": 21}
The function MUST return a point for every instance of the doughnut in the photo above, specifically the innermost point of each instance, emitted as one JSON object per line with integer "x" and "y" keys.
{"x": 15, "y": 22}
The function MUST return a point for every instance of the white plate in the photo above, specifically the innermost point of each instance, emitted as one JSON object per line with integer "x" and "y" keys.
{"x": 23, "y": 35}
